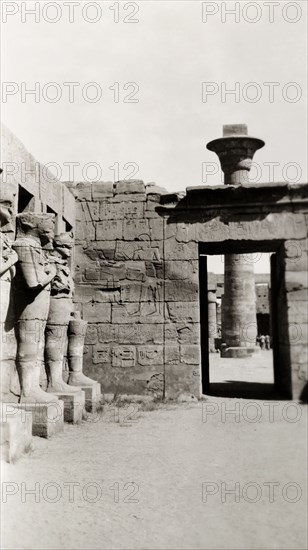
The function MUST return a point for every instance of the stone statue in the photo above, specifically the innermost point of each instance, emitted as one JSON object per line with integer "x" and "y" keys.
{"x": 76, "y": 335}
{"x": 8, "y": 259}
{"x": 61, "y": 306}
{"x": 34, "y": 274}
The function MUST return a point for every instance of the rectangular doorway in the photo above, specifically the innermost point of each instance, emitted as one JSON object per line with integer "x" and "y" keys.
{"x": 263, "y": 374}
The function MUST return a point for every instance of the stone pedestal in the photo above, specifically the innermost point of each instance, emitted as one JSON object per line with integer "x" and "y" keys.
{"x": 15, "y": 432}
{"x": 74, "y": 406}
{"x": 47, "y": 418}
{"x": 93, "y": 397}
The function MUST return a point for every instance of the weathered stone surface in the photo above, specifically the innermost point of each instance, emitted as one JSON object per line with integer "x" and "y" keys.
{"x": 129, "y": 186}
{"x": 156, "y": 229}
{"x": 184, "y": 291}
{"x": 74, "y": 405}
{"x": 136, "y": 230}
{"x": 150, "y": 291}
{"x": 102, "y": 190}
{"x": 15, "y": 432}
{"x": 179, "y": 269}
{"x": 134, "y": 334}
{"x": 141, "y": 250}
{"x": 190, "y": 354}
{"x": 119, "y": 211}
{"x": 109, "y": 230}
{"x": 143, "y": 312}
{"x": 183, "y": 311}
{"x": 180, "y": 251}
{"x": 172, "y": 354}
{"x": 150, "y": 355}
{"x": 84, "y": 191}
{"x": 296, "y": 280}
{"x": 85, "y": 231}
{"x": 93, "y": 312}
{"x": 182, "y": 379}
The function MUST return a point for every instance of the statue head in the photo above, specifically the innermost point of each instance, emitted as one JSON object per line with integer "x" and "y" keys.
{"x": 36, "y": 225}
{"x": 6, "y": 213}
{"x": 7, "y": 194}
{"x": 63, "y": 244}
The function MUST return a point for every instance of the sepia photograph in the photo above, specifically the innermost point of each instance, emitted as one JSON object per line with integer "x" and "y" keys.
{"x": 154, "y": 275}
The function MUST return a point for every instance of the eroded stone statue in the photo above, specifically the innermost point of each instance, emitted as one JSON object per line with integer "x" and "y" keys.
{"x": 76, "y": 335}
{"x": 34, "y": 274}
{"x": 61, "y": 306}
{"x": 8, "y": 259}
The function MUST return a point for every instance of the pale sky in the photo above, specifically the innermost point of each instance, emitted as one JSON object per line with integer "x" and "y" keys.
{"x": 167, "y": 53}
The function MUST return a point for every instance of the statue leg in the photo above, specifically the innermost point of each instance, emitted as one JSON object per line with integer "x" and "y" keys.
{"x": 76, "y": 336}
{"x": 55, "y": 339}
{"x": 30, "y": 337}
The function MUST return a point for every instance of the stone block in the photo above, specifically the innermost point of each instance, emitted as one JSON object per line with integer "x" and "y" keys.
{"x": 190, "y": 354}
{"x": 74, "y": 405}
{"x": 93, "y": 397}
{"x": 87, "y": 211}
{"x": 83, "y": 191}
{"x": 183, "y": 311}
{"x": 99, "y": 250}
{"x": 102, "y": 354}
{"x": 112, "y": 271}
{"x": 129, "y": 187}
{"x": 47, "y": 418}
{"x": 181, "y": 291}
{"x": 101, "y": 190}
{"x": 97, "y": 313}
{"x": 182, "y": 270}
{"x": 184, "y": 333}
{"x": 131, "y": 334}
{"x": 129, "y": 197}
{"x": 123, "y": 356}
{"x": 296, "y": 280}
{"x": 142, "y": 292}
{"x": 156, "y": 229}
{"x": 141, "y": 250}
{"x": 85, "y": 231}
{"x": 172, "y": 354}
{"x": 143, "y": 312}
{"x": 180, "y": 251}
{"x": 91, "y": 334}
{"x": 182, "y": 379}
{"x": 119, "y": 210}
{"x": 297, "y": 295}
{"x": 136, "y": 230}
{"x": 15, "y": 432}
{"x": 150, "y": 355}
{"x": 109, "y": 230}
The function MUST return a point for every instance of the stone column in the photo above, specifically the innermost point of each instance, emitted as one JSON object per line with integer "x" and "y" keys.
{"x": 235, "y": 151}
{"x": 212, "y": 320}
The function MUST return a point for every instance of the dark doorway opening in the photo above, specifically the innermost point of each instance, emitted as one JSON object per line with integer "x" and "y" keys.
{"x": 273, "y": 383}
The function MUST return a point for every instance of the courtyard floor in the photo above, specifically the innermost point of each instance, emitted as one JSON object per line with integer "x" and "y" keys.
{"x": 159, "y": 479}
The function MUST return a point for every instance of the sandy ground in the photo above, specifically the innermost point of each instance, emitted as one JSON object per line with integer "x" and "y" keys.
{"x": 159, "y": 480}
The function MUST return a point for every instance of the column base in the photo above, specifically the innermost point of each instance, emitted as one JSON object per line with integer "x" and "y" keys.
{"x": 15, "y": 432}
{"x": 47, "y": 418}
{"x": 238, "y": 352}
{"x": 74, "y": 405}
{"x": 93, "y": 395}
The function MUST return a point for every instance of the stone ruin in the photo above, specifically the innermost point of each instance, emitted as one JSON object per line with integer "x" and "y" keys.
{"x": 111, "y": 279}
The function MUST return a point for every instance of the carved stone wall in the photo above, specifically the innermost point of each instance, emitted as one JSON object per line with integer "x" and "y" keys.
{"x": 137, "y": 276}
{"x": 139, "y": 297}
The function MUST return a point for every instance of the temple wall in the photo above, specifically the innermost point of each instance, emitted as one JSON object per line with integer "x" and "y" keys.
{"x": 137, "y": 279}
